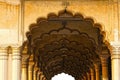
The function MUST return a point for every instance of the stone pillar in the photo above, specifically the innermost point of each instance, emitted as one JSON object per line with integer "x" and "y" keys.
{"x": 30, "y": 70}
{"x": 16, "y": 63}
{"x": 24, "y": 67}
{"x": 92, "y": 74}
{"x": 9, "y": 51}
{"x": 104, "y": 63}
{"x": 41, "y": 76}
{"x": 115, "y": 56}
{"x": 97, "y": 72}
{"x": 35, "y": 73}
{"x": 84, "y": 78}
{"x": 88, "y": 76}
{"x": 115, "y": 59}
{"x": 3, "y": 64}
{"x": 38, "y": 75}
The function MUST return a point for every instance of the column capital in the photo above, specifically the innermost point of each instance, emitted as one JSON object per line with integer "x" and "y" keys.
{"x": 3, "y": 50}
{"x": 25, "y": 57}
{"x": 3, "y": 53}
{"x": 97, "y": 65}
{"x": 36, "y": 68}
{"x": 88, "y": 75}
{"x": 24, "y": 60}
{"x": 16, "y": 49}
{"x": 104, "y": 57}
{"x": 91, "y": 70}
{"x": 16, "y": 53}
{"x": 31, "y": 63}
{"x": 115, "y": 50}
{"x": 115, "y": 47}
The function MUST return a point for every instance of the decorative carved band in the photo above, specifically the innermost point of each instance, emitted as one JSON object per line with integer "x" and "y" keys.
{"x": 115, "y": 56}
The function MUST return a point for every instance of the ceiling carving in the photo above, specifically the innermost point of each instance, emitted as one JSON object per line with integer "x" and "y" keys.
{"x": 65, "y": 43}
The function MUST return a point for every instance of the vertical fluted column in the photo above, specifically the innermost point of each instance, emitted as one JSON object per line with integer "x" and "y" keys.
{"x": 24, "y": 67}
{"x": 16, "y": 63}
{"x": 30, "y": 70}
{"x": 97, "y": 67}
{"x": 104, "y": 63}
{"x": 92, "y": 74}
{"x": 3, "y": 64}
{"x": 115, "y": 59}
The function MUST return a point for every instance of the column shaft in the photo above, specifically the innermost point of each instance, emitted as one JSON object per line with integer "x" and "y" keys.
{"x": 97, "y": 71}
{"x": 16, "y": 64}
{"x": 24, "y": 67}
{"x": 30, "y": 70}
{"x": 24, "y": 73}
{"x": 92, "y": 74}
{"x": 115, "y": 67}
{"x": 10, "y": 67}
{"x": 104, "y": 68}
{"x": 115, "y": 57}
{"x": 105, "y": 73}
{"x": 88, "y": 76}
{"x": 41, "y": 77}
{"x": 35, "y": 73}
{"x": 3, "y": 64}
{"x": 38, "y": 75}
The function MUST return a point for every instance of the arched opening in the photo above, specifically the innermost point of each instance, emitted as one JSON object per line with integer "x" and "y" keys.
{"x": 62, "y": 76}
{"x": 67, "y": 39}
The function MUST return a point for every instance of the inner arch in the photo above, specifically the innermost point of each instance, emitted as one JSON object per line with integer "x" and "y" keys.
{"x": 62, "y": 76}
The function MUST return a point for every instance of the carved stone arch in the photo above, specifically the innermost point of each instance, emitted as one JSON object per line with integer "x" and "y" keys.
{"x": 45, "y": 38}
{"x": 60, "y": 16}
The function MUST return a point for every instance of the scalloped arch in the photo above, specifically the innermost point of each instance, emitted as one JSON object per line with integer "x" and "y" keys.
{"x": 62, "y": 14}
{"x": 42, "y": 32}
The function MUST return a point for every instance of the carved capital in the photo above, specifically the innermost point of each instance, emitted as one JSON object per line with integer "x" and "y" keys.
{"x": 104, "y": 59}
{"x": 97, "y": 66}
{"x": 31, "y": 58}
{"x": 115, "y": 56}
{"x": 36, "y": 69}
{"x": 24, "y": 60}
{"x": 3, "y": 50}
{"x": 3, "y": 53}
{"x": 31, "y": 63}
{"x": 115, "y": 48}
{"x": 88, "y": 74}
{"x": 30, "y": 66}
{"x": 25, "y": 50}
